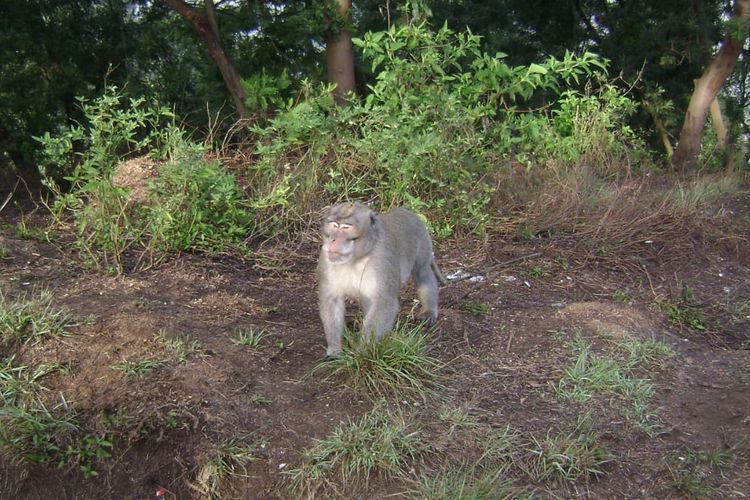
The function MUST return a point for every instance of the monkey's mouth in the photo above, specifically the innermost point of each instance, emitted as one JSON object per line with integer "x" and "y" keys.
{"x": 337, "y": 257}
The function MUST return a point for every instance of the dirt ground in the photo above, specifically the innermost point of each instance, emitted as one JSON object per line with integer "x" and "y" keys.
{"x": 502, "y": 366}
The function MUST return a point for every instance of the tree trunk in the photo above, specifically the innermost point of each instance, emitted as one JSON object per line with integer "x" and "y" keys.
{"x": 205, "y": 25}
{"x": 340, "y": 58}
{"x": 707, "y": 87}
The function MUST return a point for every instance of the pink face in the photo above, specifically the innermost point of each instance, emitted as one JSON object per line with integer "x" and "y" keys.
{"x": 339, "y": 242}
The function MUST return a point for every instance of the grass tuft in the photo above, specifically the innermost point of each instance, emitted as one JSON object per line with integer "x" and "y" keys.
{"x": 230, "y": 458}
{"x": 31, "y": 319}
{"x": 399, "y": 365}
{"x": 467, "y": 483}
{"x": 135, "y": 368}
{"x": 566, "y": 457}
{"x": 250, "y": 338}
{"x": 381, "y": 443}
{"x": 611, "y": 373}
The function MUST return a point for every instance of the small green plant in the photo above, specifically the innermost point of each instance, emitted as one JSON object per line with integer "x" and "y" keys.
{"x": 468, "y": 483}
{"x": 380, "y": 443}
{"x": 538, "y": 272}
{"x": 621, "y": 295}
{"x": 683, "y": 315}
{"x": 172, "y": 420}
{"x": 590, "y": 374}
{"x": 457, "y": 418}
{"x": 250, "y": 338}
{"x": 136, "y": 368}
{"x": 28, "y": 232}
{"x": 31, "y": 318}
{"x": 229, "y": 458}
{"x": 502, "y": 446}
{"x": 258, "y": 399}
{"x": 567, "y": 456}
{"x": 398, "y": 365}
{"x": 476, "y": 308}
{"x": 33, "y": 432}
{"x": 694, "y": 474}
{"x": 184, "y": 347}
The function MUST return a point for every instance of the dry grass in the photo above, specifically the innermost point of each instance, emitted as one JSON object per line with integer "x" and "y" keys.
{"x": 621, "y": 221}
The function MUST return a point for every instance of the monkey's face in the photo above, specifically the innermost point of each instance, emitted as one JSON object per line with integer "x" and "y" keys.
{"x": 339, "y": 241}
{"x": 347, "y": 232}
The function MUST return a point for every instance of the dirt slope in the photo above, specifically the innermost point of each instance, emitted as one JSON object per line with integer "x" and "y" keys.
{"x": 502, "y": 365}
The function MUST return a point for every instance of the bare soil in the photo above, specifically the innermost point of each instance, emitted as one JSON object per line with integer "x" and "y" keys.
{"x": 501, "y": 366}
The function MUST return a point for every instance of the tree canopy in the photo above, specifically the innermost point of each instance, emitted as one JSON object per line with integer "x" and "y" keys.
{"x": 54, "y": 52}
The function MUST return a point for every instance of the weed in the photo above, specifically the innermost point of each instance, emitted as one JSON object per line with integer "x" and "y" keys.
{"x": 621, "y": 295}
{"x": 380, "y": 443}
{"x": 27, "y": 232}
{"x": 226, "y": 460}
{"x": 258, "y": 399}
{"x": 31, "y": 319}
{"x": 566, "y": 457}
{"x": 172, "y": 420}
{"x": 501, "y": 446}
{"x": 400, "y": 364}
{"x": 683, "y": 315}
{"x": 183, "y": 346}
{"x": 476, "y": 308}
{"x": 30, "y": 431}
{"x": 693, "y": 473}
{"x": 611, "y": 374}
{"x": 250, "y": 338}
{"x": 457, "y": 418}
{"x": 4, "y": 252}
{"x": 538, "y": 272}
{"x": 468, "y": 483}
{"x": 645, "y": 352}
{"x": 135, "y": 368}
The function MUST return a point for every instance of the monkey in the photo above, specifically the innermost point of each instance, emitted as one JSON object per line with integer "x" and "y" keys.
{"x": 369, "y": 257}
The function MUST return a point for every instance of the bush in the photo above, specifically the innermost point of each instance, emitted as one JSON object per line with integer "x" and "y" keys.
{"x": 190, "y": 203}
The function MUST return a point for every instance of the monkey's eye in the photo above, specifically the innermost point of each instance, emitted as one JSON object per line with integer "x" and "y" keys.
{"x": 345, "y": 227}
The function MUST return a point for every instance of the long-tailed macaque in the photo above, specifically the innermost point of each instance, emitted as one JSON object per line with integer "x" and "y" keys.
{"x": 369, "y": 256}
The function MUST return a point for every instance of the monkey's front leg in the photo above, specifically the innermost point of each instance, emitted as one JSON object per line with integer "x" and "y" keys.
{"x": 332, "y": 312}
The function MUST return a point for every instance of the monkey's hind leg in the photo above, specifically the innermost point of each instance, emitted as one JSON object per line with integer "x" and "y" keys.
{"x": 427, "y": 290}
{"x": 380, "y": 314}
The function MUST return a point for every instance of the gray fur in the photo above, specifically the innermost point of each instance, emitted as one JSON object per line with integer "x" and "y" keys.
{"x": 369, "y": 257}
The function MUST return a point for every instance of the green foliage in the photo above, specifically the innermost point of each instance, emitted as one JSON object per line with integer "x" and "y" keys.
{"x": 265, "y": 91}
{"x": 113, "y": 129}
{"x": 476, "y": 308}
{"x": 250, "y": 338}
{"x": 683, "y": 314}
{"x": 439, "y": 117}
{"x": 135, "y": 368}
{"x": 32, "y": 432}
{"x": 191, "y": 203}
{"x": 227, "y": 459}
{"x": 380, "y": 443}
{"x": 696, "y": 474}
{"x": 611, "y": 373}
{"x": 31, "y": 319}
{"x": 567, "y": 456}
{"x": 399, "y": 365}
{"x": 467, "y": 484}
{"x": 194, "y": 205}
{"x": 182, "y": 345}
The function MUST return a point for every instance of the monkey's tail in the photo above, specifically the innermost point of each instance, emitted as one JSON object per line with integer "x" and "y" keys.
{"x": 438, "y": 274}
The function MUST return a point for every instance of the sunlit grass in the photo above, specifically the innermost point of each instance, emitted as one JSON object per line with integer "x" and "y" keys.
{"x": 398, "y": 365}
{"x": 382, "y": 443}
